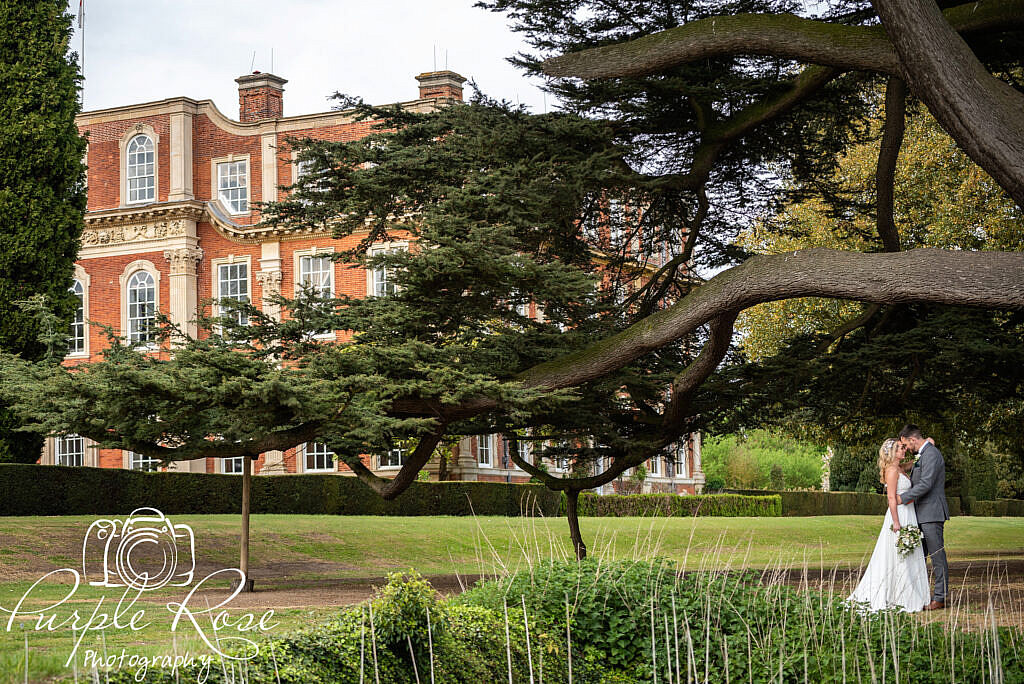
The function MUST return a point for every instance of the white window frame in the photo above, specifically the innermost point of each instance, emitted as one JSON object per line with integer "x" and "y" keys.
{"x": 133, "y": 164}
{"x": 525, "y": 451}
{"x": 227, "y": 162}
{"x": 132, "y": 281}
{"x": 654, "y": 466}
{"x": 232, "y": 466}
{"x": 485, "y": 451}
{"x": 232, "y": 261}
{"x": 66, "y": 446}
{"x": 129, "y": 271}
{"x": 394, "y": 453}
{"x": 79, "y": 325}
{"x": 129, "y": 135}
{"x": 134, "y": 461}
{"x": 330, "y": 291}
{"x": 300, "y": 169}
{"x": 680, "y": 454}
{"x": 373, "y": 279}
{"x": 317, "y": 451}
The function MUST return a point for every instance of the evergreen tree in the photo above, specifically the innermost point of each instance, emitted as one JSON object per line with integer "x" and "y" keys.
{"x": 42, "y": 188}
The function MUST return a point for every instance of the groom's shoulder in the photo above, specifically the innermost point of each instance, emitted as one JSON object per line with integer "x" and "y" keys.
{"x": 933, "y": 449}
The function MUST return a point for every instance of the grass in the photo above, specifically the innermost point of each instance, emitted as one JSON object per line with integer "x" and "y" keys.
{"x": 297, "y": 549}
{"x": 367, "y": 546}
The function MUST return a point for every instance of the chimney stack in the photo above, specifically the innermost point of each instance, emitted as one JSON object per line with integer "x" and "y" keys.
{"x": 436, "y": 85}
{"x": 260, "y": 96}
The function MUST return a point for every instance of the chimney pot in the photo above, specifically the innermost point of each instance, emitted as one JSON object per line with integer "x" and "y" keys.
{"x": 260, "y": 96}
{"x": 435, "y": 85}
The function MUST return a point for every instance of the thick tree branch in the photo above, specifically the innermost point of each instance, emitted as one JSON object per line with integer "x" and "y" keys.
{"x": 993, "y": 280}
{"x": 390, "y": 488}
{"x": 687, "y": 382}
{"x": 864, "y": 48}
{"x": 888, "y": 153}
{"x": 983, "y": 279}
{"x": 980, "y": 112}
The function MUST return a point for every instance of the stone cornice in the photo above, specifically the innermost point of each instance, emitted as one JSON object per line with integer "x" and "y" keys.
{"x": 246, "y": 233}
{"x": 188, "y": 210}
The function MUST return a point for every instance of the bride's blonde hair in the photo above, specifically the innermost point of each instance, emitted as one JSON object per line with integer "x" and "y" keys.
{"x": 886, "y": 457}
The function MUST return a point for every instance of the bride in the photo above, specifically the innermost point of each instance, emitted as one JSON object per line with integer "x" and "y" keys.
{"x": 891, "y": 580}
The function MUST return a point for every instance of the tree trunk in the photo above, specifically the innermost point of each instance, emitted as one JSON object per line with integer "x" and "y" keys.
{"x": 980, "y": 112}
{"x": 571, "y": 500}
{"x": 243, "y": 563}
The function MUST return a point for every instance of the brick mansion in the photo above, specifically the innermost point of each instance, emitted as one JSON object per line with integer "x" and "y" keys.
{"x": 172, "y": 222}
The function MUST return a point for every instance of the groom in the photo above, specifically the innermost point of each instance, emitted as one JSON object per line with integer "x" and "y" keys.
{"x": 928, "y": 490}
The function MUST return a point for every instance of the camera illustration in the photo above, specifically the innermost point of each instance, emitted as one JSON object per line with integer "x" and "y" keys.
{"x": 144, "y": 551}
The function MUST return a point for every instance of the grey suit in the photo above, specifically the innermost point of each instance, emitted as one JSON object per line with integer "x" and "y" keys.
{"x": 928, "y": 492}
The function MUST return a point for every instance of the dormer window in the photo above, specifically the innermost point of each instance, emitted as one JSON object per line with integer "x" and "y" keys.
{"x": 140, "y": 169}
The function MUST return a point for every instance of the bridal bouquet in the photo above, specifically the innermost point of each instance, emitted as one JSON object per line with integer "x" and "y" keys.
{"x": 908, "y": 539}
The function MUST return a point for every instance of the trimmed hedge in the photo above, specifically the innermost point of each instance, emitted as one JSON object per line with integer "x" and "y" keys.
{"x": 1000, "y": 508}
{"x": 808, "y": 503}
{"x": 803, "y": 503}
{"x": 60, "y": 490}
{"x": 668, "y": 505}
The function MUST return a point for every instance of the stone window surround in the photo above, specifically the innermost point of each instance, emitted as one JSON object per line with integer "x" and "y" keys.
{"x": 376, "y": 248}
{"x": 90, "y": 459}
{"x": 215, "y": 265}
{"x": 137, "y": 129}
{"x": 129, "y": 271}
{"x": 215, "y": 178}
{"x": 83, "y": 277}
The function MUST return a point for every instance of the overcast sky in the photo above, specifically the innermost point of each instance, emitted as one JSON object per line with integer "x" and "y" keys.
{"x": 144, "y": 51}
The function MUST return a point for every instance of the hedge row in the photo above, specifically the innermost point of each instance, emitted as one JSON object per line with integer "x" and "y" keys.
{"x": 668, "y": 505}
{"x": 803, "y": 503}
{"x": 999, "y": 508}
{"x": 58, "y": 490}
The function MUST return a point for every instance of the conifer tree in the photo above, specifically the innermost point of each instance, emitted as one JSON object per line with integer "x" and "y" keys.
{"x": 42, "y": 189}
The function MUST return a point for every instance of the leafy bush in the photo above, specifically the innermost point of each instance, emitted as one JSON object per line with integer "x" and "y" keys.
{"x": 59, "y": 490}
{"x": 666, "y": 505}
{"x": 402, "y": 612}
{"x": 713, "y": 483}
{"x": 747, "y": 463}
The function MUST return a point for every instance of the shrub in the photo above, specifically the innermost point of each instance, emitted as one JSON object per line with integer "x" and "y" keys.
{"x": 713, "y": 483}
{"x": 666, "y": 505}
{"x": 59, "y": 490}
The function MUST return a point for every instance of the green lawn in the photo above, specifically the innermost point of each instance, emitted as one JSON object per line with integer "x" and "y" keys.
{"x": 296, "y": 549}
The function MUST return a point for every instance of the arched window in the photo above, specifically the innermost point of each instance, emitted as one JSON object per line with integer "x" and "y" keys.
{"x": 76, "y": 341}
{"x": 141, "y": 169}
{"x": 141, "y": 307}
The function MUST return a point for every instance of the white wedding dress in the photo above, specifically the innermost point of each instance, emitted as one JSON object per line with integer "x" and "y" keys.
{"x": 891, "y": 580}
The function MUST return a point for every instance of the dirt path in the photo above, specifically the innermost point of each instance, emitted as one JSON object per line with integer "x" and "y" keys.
{"x": 974, "y": 584}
